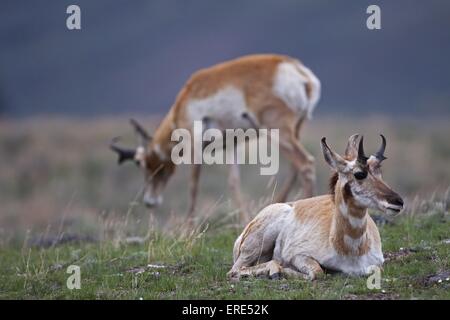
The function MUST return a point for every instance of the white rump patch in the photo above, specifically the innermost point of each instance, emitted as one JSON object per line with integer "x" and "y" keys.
{"x": 290, "y": 86}
{"x": 315, "y": 86}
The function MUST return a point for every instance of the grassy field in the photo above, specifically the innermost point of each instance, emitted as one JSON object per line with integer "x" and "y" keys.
{"x": 417, "y": 250}
{"x": 65, "y": 202}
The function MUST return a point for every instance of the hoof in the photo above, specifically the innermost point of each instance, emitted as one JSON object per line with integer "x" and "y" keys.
{"x": 232, "y": 275}
{"x": 275, "y": 276}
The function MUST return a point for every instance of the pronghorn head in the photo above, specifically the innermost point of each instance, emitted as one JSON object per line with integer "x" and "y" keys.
{"x": 148, "y": 155}
{"x": 360, "y": 176}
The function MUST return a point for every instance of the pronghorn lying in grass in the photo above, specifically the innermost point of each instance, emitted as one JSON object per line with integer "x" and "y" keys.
{"x": 333, "y": 232}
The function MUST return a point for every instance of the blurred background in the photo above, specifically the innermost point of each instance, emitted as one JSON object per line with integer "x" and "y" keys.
{"x": 133, "y": 56}
{"x": 64, "y": 94}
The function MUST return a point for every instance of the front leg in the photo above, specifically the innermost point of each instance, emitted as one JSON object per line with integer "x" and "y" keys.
{"x": 270, "y": 269}
{"x": 193, "y": 189}
{"x": 308, "y": 266}
{"x": 234, "y": 181}
{"x": 207, "y": 123}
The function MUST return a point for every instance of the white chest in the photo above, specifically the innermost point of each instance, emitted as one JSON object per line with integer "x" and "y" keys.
{"x": 353, "y": 265}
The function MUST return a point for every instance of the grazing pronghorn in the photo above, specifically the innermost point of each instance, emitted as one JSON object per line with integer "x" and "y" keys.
{"x": 256, "y": 91}
{"x": 333, "y": 232}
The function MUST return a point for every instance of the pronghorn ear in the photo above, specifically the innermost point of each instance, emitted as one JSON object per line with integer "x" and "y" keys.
{"x": 334, "y": 160}
{"x": 351, "y": 152}
{"x": 123, "y": 154}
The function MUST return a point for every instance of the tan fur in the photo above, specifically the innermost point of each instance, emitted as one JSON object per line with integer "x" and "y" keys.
{"x": 323, "y": 209}
{"x": 332, "y": 231}
{"x": 248, "y": 229}
{"x": 253, "y": 76}
{"x": 326, "y": 237}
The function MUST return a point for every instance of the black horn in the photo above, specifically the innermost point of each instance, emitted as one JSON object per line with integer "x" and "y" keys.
{"x": 124, "y": 154}
{"x": 380, "y": 153}
{"x": 144, "y": 136}
{"x": 361, "y": 155}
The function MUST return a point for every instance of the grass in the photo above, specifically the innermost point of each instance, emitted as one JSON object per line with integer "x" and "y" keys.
{"x": 50, "y": 163}
{"x": 194, "y": 267}
{"x": 61, "y": 180}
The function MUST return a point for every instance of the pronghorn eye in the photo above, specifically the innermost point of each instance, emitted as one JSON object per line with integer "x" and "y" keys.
{"x": 360, "y": 175}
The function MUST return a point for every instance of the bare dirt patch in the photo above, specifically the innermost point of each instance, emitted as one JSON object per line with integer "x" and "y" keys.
{"x": 398, "y": 255}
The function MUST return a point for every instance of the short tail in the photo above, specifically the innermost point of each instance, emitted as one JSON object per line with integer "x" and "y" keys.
{"x": 313, "y": 87}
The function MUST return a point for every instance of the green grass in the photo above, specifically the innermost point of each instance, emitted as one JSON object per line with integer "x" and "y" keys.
{"x": 195, "y": 268}
{"x": 61, "y": 177}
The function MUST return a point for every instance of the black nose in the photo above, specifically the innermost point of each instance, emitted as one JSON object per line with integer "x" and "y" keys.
{"x": 396, "y": 200}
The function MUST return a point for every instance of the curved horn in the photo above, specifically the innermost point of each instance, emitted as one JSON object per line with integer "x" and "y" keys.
{"x": 144, "y": 136}
{"x": 361, "y": 155}
{"x": 124, "y": 154}
{"x": 380, "y": 153}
